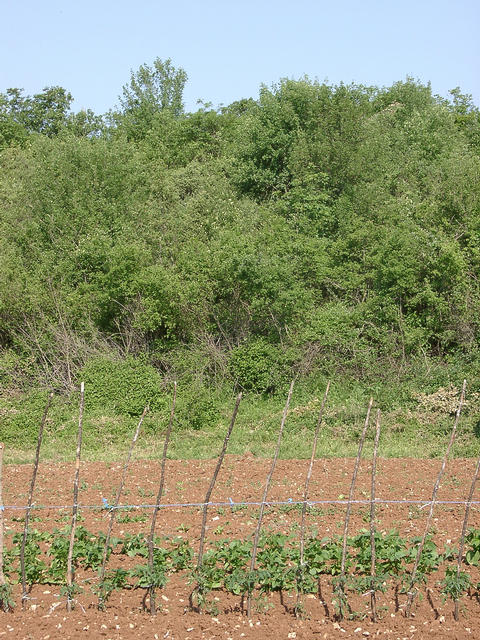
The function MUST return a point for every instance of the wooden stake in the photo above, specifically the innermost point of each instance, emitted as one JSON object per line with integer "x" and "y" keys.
{"x": 196, "y": 589}
{"x": 159, "y": 497}
{"x": 213, "y": 480}
{"x": 70, "y": 570}
{"x": 305, "y": 498}
{"x": 30, "y": 499}
{"x": 373, "y": 597}
{"x": 113, "y": 510}
{"x": 341, "y": 584}
{"x": 411, "y": 592}
{"x": 464, "y": 529}
{"x": 265, "y": 493}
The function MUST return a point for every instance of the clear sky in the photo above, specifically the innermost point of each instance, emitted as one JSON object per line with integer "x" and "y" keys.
{"x": 229, "y": 48}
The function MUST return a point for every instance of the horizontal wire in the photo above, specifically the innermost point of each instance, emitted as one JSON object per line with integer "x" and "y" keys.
{"x": 271, "y": 503}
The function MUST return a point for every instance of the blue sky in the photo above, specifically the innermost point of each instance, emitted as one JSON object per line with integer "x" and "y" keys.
{"x": 230, "y": 48}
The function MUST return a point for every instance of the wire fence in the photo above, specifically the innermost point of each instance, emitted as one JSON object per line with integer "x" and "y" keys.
{"x": 235, "y": 504}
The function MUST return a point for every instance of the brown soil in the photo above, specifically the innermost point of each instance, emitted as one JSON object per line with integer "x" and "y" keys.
{"x": 241, "y": 479}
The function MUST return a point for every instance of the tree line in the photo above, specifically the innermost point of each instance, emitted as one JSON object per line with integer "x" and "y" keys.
{"x": 315, "y": 229}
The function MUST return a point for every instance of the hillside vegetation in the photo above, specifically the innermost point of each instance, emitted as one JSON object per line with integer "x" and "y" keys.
{"x": 318, "y": 231}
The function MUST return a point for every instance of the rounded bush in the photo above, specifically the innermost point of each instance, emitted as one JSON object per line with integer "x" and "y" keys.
{"x": 122, "y": 386}
{"x": 255, "y": 366}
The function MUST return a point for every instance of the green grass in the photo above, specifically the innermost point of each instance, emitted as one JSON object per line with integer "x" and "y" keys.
{"x": 407, "y": 420}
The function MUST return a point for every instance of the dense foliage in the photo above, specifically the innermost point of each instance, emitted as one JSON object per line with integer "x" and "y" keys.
{"x": 316, "y": 229}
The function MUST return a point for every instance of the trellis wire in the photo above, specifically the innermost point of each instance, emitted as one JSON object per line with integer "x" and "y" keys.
{"x": 232, "y": 504}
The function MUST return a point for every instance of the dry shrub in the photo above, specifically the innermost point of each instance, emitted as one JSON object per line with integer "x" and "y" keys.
{"x": 444, "y": 401}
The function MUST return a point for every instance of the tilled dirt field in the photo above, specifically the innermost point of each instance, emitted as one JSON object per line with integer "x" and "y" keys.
{"x": 240, "y": 479}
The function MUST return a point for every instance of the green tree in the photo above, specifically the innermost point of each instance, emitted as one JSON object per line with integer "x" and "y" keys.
{"x": 150, "y": 91}
{"x": 46, "y": 113}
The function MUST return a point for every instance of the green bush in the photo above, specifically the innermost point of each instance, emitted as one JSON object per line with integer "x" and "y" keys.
{"x": 122, "y": 386}
{"x": 256, "y": 366}
{"x": 197, "y": 408}
{"x": 15, "y": 370}
{"x": 21, "y": 417}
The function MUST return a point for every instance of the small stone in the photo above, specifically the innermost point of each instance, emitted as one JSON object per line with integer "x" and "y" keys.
{"x": 164, "y": 597}
{"x": 441, "y": 619}
{"x": 357, "y": 630}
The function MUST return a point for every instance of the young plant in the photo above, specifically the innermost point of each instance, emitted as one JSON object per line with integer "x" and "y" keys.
{"x": 135, "y": 545}
{"x": 340, "y": 599}
{"x": 71, "y": 590}
{"x": 207, "y": 576}
{"x": 428, "y": 561}
{"x": 152, "y": 576}
{"x": 7, "y": 603}
{"x": 390, "y": 550}
{"x": 181, "y": 554}
{"x": 276, "y": 571}
{"x": 114, "y": 580}
{"x": 34, "y": 569}
{"x": 472, "y": 556}
{"x": 455, "y": 585}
